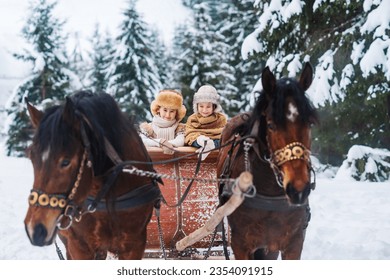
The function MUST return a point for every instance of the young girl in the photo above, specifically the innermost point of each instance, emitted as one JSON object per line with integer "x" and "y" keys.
{"x": 204, "y": 127}
{"x": 165, "y": 130}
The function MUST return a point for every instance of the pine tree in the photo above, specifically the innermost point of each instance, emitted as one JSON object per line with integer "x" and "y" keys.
{"x": 161, "y": 59}
{"x": 77, "y": 62}
{"x": 237, "y": 20}
{"x": 191, "y": 3}
{"x": 134, "y": 76}
{"x": 183, "y": 58}
{"x": 340, "y": 38}
{"x": 101, "y": 57}
{"x": 201, "y": 57}
{"x": 49, "y": 80}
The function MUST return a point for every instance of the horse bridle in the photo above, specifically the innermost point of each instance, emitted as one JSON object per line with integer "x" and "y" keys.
{"x": 65, "y": 202}
{"x": 62, "y": 202}
{"x": 292, "y": 151}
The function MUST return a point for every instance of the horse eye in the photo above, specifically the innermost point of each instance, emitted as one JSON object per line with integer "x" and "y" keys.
{"x": 65, "y": 163}
{"x": 271, "y": 126}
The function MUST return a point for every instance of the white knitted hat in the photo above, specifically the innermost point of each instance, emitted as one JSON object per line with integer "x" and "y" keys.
{"x": 206, "y": 93}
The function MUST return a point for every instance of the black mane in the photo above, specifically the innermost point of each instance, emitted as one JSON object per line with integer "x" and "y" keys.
{"x": 101, "y": 118}
{"x": 285, "y": 88}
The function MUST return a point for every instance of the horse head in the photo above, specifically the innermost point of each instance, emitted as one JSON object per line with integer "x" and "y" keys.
{"x": 287, "y": 117}
{"x": 62, "y": 176}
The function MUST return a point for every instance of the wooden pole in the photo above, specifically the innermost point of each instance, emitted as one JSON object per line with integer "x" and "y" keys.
{"x": 243, "y": 183}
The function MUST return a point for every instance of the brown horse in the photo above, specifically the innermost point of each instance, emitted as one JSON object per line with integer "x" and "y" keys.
{"x": 77, "y": 191}
{"x": 276, "y": 150}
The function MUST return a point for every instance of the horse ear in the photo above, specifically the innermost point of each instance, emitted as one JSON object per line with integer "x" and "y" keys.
{"x": 68, "y": 113}
{"x": 306, "y": 76}
{"x": 35, "y": 114}
{"x": 269, "y": 82}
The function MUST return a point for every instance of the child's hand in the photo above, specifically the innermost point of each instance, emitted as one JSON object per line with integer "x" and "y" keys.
{"x": 202, "y": 139}
{"x": 167, "y": 147}
{"x": 208, "y": 146}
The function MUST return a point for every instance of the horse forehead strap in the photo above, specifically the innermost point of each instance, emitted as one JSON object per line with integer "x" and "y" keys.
{"x": 111, "y": 152}
{"x": 292, "y": 151}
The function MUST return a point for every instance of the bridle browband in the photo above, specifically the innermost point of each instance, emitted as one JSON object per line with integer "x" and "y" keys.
{"x": 292, "y": 151}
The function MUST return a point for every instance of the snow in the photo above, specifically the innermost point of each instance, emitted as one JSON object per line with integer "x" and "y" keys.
{"x": 378, "y": 19}
{"x": 374, "y": 58}
{"x": 364, "y": 162}
{"x": 325, "y": 86}
{"x": 350, "y": 220}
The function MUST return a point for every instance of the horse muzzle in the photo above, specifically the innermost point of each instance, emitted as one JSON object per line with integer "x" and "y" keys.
{"x": 298, "y": 197}
{"x": 39, "y": 236}
{"x": 41, "y": 226}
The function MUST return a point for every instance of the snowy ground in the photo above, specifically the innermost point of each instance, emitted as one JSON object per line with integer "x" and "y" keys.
{"x": 350, "y": 220}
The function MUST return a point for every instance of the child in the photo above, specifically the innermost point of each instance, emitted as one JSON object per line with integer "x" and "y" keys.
{"x": 165, "y": 130}
{"x": 204, "y": 127}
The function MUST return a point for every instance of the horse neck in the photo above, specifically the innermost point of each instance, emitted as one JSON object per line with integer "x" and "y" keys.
{"x": 264, "y": 179}
{"x": 134, "y": 150}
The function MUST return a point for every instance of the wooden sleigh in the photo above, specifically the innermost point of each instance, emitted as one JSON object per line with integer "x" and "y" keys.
{"x": 195, "y": 210}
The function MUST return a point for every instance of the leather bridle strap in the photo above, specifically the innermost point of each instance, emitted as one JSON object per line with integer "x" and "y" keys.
{"x": 110, "y": 150}
{"x": 260, "y": 149}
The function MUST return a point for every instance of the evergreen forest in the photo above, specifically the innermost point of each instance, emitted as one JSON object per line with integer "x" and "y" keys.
{"x": 226, "y": 43}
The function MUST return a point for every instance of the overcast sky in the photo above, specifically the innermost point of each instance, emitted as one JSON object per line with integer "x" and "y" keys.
{"x": 81, "y": 17}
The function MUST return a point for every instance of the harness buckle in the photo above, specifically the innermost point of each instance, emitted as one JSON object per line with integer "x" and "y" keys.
{"x": 70, "y": 211}
{"x": 59, "y": 222}
{"x": 91, "y": 207}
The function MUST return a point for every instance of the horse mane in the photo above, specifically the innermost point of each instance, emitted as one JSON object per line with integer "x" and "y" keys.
{"x": 101, "y": 118}
{"x": 285, "y": 88}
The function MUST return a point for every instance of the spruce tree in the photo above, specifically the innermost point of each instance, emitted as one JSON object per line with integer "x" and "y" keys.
{"x": 237, "y": 19}
{"x": 161, "y": 59}
{"x": 49, "y": 80}
{"x": 340, "y": 38}
{"x": 101, "y": 58}
{"x": 134, "y": 76}
{"x": 183, "y": 58}
{"x": 201, "y": 57}
{"x": 77, "y": 60}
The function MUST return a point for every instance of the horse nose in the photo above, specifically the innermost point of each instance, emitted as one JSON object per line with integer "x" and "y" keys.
{"x": 297, "y": 197}
{"x": 39, "y": 235}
